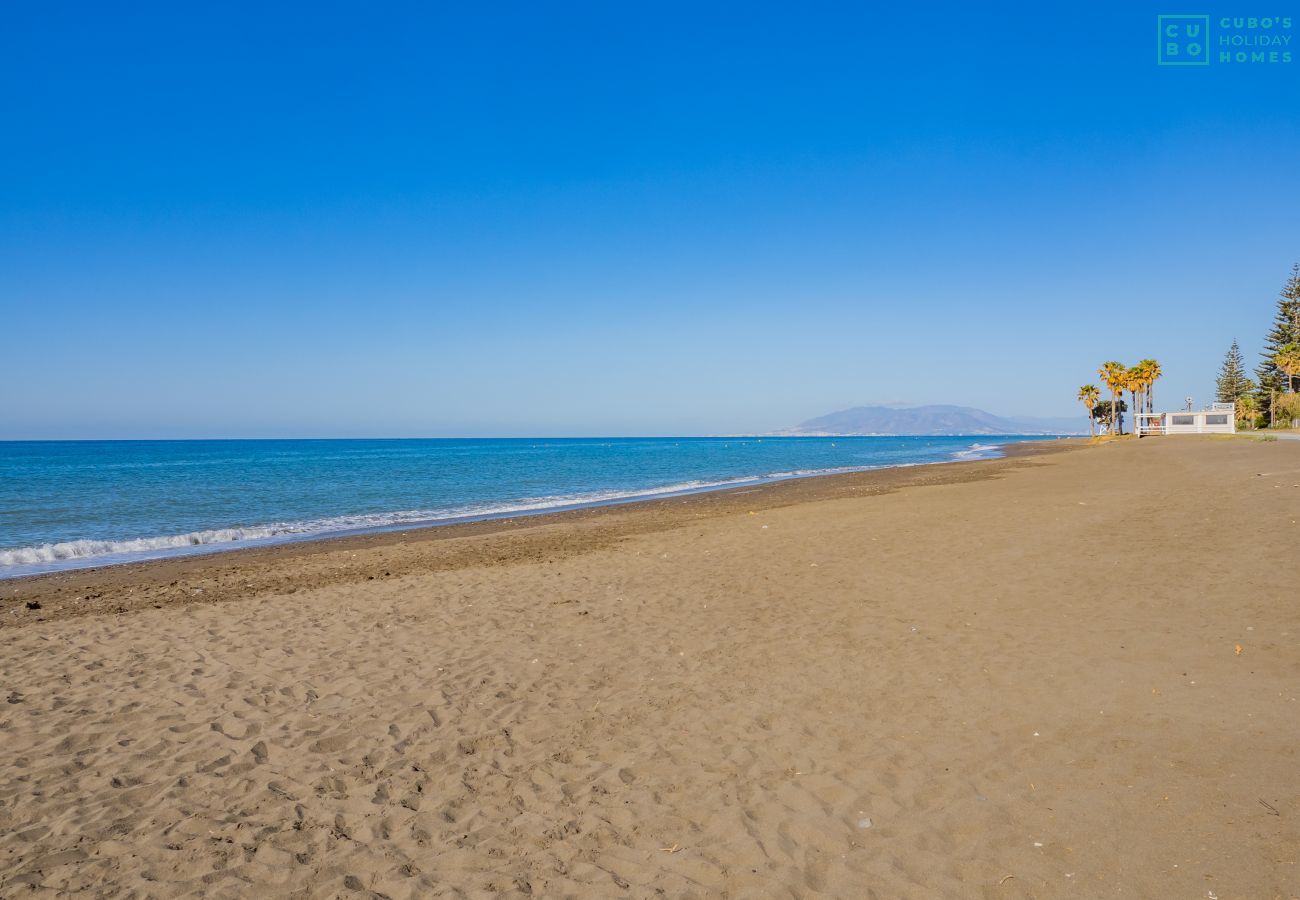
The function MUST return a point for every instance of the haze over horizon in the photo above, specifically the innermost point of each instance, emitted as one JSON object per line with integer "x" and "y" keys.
{"x": 1075, "y": 424}
{"x": 595, "y": 220}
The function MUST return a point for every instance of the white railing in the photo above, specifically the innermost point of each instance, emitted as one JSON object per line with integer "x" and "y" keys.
{"x": 1148, "y": 423}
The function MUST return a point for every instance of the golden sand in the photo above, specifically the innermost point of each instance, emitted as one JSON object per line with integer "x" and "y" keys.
{"x": 1068, "y": 673}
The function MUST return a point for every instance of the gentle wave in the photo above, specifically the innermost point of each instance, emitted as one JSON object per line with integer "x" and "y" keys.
{"x": 148, "y": 547}
{"x": 89, "y": 549}
{"x": 976, "y": 451}
{"x": 83, "y": 549}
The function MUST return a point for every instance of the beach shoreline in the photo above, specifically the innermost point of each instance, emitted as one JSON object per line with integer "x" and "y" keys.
{"x": 121, "y": 502}
{"x": 64, "y": 592}
{"x": 1067, "y": 672}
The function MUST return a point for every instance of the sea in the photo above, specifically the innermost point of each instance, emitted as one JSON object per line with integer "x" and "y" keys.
{"x": 75, "y": 504}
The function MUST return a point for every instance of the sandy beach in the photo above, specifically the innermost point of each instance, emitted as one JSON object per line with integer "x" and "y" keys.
{"x": 1071, "y": 672}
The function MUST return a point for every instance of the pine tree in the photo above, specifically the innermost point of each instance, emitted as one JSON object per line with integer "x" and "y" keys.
{"x": 1232, "y": 381}
{"x": 1285, "y": 330}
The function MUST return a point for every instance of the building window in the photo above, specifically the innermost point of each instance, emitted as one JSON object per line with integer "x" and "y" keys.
{"x": 1216, "y": 420}
{"x": 1184, "y": 420}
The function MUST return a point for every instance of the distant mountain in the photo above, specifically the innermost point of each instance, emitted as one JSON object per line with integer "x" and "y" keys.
{"x": 931, "y": 420}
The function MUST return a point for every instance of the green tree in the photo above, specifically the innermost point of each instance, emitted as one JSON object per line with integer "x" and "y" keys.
{"x": 1286, "y": 410}
{"x": 1287, "y": 360}
{"x": 1248, "y": 407}
{"x": 1107, "y": 411}
{"x": 1232, "y": 383}
{"x": 1285, "y": 330}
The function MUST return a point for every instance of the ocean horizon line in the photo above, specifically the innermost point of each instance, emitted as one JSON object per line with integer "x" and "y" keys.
{"x": 545, "y": 437}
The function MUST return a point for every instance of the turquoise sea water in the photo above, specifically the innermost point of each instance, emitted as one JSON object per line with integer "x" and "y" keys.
{"x": 69, "y": 504}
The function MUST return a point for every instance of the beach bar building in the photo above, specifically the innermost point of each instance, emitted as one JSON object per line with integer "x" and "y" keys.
{"x": 1218, "y": 418}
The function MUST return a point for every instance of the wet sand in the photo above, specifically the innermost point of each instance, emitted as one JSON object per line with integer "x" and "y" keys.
{"x": 1070, "y": 672}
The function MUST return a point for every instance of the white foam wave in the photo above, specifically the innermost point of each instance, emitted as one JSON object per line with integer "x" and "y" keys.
{"x": 70, "y": 551}
{"x": 976, "y": 451}
{"x": 70, "y": 554}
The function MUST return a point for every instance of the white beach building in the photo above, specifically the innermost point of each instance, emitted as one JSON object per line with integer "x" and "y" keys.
{"x": 1218, "y": 418}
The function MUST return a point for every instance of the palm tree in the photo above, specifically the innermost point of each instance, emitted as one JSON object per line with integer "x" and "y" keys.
{"x": 1088, "y": 395}
{"x": 1134, "y": 380}
{"x": 1247, "y": 409}
{"x": 1287, "y": 359}
{"x": 1112, "y": 375}
{"x": 1150, "y": 373}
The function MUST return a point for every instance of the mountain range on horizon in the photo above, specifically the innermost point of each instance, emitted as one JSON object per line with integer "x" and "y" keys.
{"x": 932, "y": 420}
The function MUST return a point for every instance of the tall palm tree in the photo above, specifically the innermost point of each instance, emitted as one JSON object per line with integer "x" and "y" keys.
{"x": 1088, "y": 395}
{"x": 1247, "y": 409}
{"x": 1112, "y": 375}
{"x": 1287, "y": 359}
{"x": 1151, "y": 373}
{"x": 1134, "y": 382}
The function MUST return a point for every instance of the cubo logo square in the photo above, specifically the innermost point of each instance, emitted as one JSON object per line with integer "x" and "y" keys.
{"x": 1183, "y": 40}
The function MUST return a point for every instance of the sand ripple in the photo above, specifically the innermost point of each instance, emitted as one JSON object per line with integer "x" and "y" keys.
{"x": 919, "y": 694}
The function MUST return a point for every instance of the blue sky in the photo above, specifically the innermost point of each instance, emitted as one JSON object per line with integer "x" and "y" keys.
{"x": 342, "y": 219}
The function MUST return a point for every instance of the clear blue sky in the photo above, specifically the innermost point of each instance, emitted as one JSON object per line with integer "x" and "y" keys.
{"x": 524, "y": 218}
